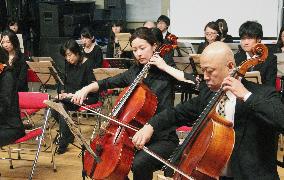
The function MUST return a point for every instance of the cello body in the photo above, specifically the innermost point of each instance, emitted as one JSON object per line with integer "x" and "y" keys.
{"x": 114, "y": 146}
{"x": 205, "y": 157}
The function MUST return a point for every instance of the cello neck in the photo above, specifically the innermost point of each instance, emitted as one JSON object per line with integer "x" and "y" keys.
{"x": 131, "y": 88}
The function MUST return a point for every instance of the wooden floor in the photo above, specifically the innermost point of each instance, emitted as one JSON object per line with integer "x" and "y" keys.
{"x": 68, "y": 165}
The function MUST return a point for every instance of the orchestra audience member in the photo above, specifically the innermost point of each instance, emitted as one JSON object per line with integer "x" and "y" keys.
{"x": 92, "y": 51}
{"x": 144, "y": 44}
{"x": 280, "y": 41}
{"x": 11, "y": 126}
{"x": 78, "y": 73}
{"x": 149, "y": 24}
{"x": 251, "y": 33}
{"x": 212, "y": 33}
{"x": 255, "y": 110}
{"x": 17, "y": 59}
{"x": 225, "y": 37}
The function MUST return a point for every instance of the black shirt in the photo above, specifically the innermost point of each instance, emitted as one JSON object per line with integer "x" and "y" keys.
{"x": 95, "y": 56}
{"x": 20, "y": 69}
{"x": 9, "y": 101}
{"x": 158, "y": 81}
{"x": 77, "y": 76}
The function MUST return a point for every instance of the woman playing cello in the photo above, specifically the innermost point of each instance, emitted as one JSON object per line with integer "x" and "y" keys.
{"x": 144, "y": 45}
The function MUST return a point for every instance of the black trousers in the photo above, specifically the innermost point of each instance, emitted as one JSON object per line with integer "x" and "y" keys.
{"x": 66, "y": 135}
{"x": 9, "y": 135}
{"x": 144, "y": 164}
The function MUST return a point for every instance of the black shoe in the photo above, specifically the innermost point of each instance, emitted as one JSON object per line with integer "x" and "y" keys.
{"x": 61, "y": 149}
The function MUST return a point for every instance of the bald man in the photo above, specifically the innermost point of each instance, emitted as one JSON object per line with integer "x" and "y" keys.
{"x": 255, "y": 110}
{"x": 149, "y": 24}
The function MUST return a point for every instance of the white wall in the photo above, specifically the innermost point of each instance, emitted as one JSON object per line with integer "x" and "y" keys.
{"x": 188, "y": 17}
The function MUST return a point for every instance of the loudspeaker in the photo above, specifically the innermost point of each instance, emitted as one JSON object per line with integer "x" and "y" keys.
{"x": 50, "y": 47}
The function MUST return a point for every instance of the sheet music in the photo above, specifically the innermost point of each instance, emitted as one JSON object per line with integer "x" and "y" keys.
{"x": 42, "y": 70}
{"x": 253, "y": 76}
{"x": 123, "y": 40}
{"x": 280, "y": 64}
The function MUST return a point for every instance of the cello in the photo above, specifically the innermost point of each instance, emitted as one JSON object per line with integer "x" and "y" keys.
{"x": 203, "y": 155}
{"x": 113, "y": 145}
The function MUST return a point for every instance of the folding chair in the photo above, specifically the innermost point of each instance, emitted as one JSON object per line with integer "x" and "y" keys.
{"x": 32, "y": 100}
{"x": 32, "y": 78}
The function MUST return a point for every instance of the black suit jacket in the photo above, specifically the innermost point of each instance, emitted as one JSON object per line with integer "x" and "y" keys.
{"x": 256, "y": 124}
{"x": 267, "y": 69}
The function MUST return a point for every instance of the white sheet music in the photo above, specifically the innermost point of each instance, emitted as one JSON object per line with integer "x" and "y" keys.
{"x": 280, "y": 64}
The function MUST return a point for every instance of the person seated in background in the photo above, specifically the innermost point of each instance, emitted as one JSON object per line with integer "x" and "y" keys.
{"x": 17, "y": 59}
{"x": 163, "y": 24}
{"x": 13, "y": 24}
{"x": 149, "y": 24}
{"x": 11, "y": 126}
{"x": 280, "y": 41}
{"x": 255, "y": 110}
{"x": 78, "y": 73}
{"x": 211, "y": 34}
{"x": 225, "y": 37}
{"x": 92, "y": 51}
{"x": 251, "y": 33}
{"x": 113, "y": 48}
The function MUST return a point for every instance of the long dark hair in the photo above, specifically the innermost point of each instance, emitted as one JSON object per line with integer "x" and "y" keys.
{"x": 88, "y": 32}
{"x": 4, "y": 56}
{"x": 143, "y": 33}
{"x": 279, "y": 41}
{"x": 13, "y": 39}
{"x": 213, "y": 25}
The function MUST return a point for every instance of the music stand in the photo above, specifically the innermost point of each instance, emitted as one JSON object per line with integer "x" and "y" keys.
{"x": 46, "y": 73}
{"x": 185, "y": 64}
{"x": 280, "y": 64}
{"x": 123, "y": 41}
{"x": 37, "y": 59}
{"x": 253, "y": 76}
{"x": 121, "y": 63}
{"x": 75, "y": 131}
{"x": 103, "y": 73}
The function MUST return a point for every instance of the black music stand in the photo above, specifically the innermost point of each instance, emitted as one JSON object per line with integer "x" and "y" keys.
{"x": 75, "y": 131}
{"x": 121, "y": 63}
{"x": 47, "y": 74}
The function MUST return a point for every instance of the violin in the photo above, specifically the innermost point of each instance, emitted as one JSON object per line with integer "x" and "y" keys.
{"x": 113, "y": 145}
{"x": 2, "y": 66}
{"x": 201, "y": 155}
{"x": 173, "y": 39}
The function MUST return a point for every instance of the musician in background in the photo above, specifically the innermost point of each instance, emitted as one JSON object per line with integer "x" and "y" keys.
{"x": 251, "y": 33}
{"x": 280, "y": 41}
{"x": 17, "y": 59}
{"x": 255, "y": 110}
{"x": 144, "y": 44}
{"x": 11, "y": 126}
{"x": 149, "y": 24}
{"x": 225, "y": 37}
{"x": 211, "y": 34}
{"x": 13, "y": 24}
{"x": 91, "y": 50}
{"x": 78, "y": 73}
{"x": 163, "y": 24}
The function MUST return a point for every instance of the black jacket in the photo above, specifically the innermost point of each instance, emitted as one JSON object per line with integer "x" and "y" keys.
{"x": 267, "y": 69}
{"x": 256, "y": 124}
